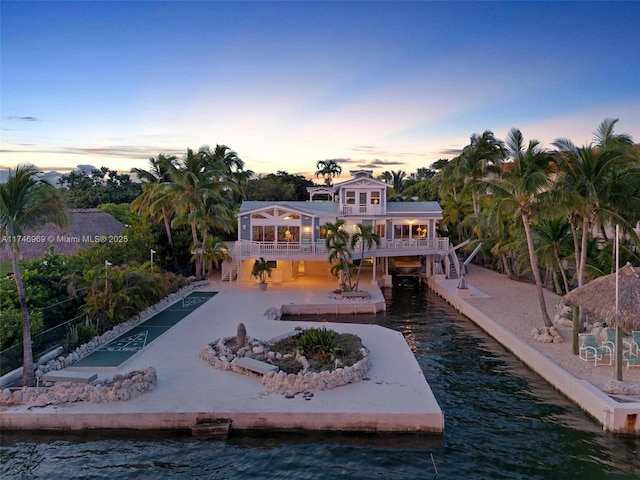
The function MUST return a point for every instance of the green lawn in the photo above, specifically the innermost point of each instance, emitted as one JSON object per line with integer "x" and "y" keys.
{"x": 5, "y": 267}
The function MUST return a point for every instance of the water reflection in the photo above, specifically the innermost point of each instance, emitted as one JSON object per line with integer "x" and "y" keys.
{"x": 501, "y": 422}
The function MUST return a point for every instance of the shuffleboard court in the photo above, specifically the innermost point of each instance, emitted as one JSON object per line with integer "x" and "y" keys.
{"x": 119, "y": 350}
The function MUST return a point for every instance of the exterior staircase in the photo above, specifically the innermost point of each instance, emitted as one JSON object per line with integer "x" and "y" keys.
{"x": 453, "y": 270}
{"x": 229, "y": 270}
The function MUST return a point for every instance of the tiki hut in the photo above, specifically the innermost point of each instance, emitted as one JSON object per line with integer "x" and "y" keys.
{"x": 87, "y": 226}
{"x": 599, "y": 298}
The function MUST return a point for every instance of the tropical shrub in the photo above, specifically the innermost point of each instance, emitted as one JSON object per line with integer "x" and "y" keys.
{"x": 317, "y": 342}
{"x": 114, "y": 294}
{"x": 11, "y": 325}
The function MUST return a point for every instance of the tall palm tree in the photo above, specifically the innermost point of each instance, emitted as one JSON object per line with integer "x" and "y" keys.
{"x": 231, "y": 167}
{"x": 328, "y": 169}
{"x": 624, "y": 193}
{"x": 589, "y": 179}
{"x": 605, "y": 137}
{"x": 199, "y": 181}
{"x": 153, "y": 198}
{"x": 450, "y": 180}
{"x": 27, "y": 202}
{"x": 478, "y": 159}
{"x": 521, "y": 188}
{"x": 367, "y": 237}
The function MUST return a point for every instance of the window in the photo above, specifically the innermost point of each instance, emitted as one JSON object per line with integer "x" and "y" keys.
{"x": 375, "y": 198}
{"x": 263, "y": 233}
{"x": 288, "y": 233}
{"x": 351, "y": 197}
{"x": 419, "y": 231}
{"x": 400, "y": 231}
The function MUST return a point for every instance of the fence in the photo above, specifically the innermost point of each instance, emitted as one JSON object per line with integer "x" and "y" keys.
{"x": 11, "y": 358}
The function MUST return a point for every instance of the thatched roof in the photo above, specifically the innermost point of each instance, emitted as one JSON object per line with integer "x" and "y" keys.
{"x": 599, "y": 297}
{"x": 85, "y": 226}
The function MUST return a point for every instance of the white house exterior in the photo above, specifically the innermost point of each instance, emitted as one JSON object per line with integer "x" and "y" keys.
{"x": 292, "y": 234}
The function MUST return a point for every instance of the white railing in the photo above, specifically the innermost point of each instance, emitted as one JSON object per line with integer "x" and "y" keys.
{"x": 363, "y": 210}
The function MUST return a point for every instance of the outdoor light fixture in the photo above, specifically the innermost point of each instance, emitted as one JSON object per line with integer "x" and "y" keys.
{"x": 107, "y": 264}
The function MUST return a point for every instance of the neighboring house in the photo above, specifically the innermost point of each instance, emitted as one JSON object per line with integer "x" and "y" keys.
{"x": 87, "y": 226}
{"x": 292, "y": 234}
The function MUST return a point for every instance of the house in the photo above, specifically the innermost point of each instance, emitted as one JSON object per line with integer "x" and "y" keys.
{"x": 87, "y": 226}
{"x": 292, "y": 234}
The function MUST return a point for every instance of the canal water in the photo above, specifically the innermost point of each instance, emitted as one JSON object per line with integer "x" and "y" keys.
{"x": 501, "y": 422}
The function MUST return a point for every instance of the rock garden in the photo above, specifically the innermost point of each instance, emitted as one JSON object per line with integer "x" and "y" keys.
{"x": 305, "y": 360}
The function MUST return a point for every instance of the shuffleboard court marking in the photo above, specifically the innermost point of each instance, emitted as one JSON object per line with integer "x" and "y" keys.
{"x": 128, "y": 344}
{"x": 132, "y": 343}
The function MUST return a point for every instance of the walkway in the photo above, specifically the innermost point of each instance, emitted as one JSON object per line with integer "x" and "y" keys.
{"x": 509, "y": 311}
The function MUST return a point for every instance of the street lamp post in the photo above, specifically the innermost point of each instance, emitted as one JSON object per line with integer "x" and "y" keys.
{"x": 152, "y": 252}
{"x": 107, "y": 264}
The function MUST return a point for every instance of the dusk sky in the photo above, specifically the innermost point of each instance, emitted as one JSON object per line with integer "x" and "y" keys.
{"x": 374, "y": 85}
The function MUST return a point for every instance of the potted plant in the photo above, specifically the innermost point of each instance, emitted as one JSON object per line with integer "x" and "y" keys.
{"x": 261, "y": 269}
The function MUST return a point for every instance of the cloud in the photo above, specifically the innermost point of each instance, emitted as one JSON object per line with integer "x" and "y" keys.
{"x": 120, "y": 151}
{"x": 453, "y": 152}
{"x": 24, "y": 118}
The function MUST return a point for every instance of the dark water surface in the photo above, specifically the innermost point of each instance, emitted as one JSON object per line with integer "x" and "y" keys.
{"x": 501, "y": 422}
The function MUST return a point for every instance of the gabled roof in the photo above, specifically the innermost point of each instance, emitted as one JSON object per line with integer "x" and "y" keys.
{"x": 363, "y": 181}
{"x": 317, "y": 209}
{"x": 362, "y": 177}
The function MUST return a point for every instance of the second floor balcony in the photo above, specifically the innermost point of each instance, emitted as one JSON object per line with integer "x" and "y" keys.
{"x": 318, "y": 251}
{"x": 363, "y": 209}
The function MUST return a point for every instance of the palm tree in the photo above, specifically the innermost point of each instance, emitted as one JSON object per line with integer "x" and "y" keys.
{"x": 606, "y": 138}
{"x": 590, "y": 179}
{"x": 455, "y": 208}
{"x": 397, "y": 179}
{"x": 450, "y": 179}
{"x": 27, "y": 202}
{"x": 367, "y": 238}
{"x": 215, "y": 251}
{"x": 231, "y": 167}
{"x": 210, "y": 215}
{"x": 521, "y": 188}
{"x": 328, "y": 169}
{"x": 154, "y": 199}
{"x": 555, "y": 239}
{"x": 337, "y": 244}
{"x": 478, "y": 159}
{"x": 624, "y": 193}
{"x": 496, "y": 236}
{"x": 386, "y": 177}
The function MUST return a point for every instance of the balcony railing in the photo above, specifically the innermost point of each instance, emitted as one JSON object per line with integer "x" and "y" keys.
{"x": 363, "y": 210}
{"x": 317, "y": 250}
